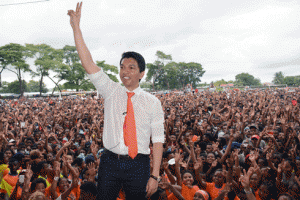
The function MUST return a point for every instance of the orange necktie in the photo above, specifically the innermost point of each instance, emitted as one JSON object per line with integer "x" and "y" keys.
{"x": 129, "y": 128}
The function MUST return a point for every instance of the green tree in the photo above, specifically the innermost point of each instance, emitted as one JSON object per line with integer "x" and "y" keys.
{"x": 173, "y": 75}
{"x": 14, "y": 87}
{"x": 13, "y": 58}
{"x": 245, "y": 79}
{"x": 289, "y": 80}
{"x": 189, "y": 73}
{"x": 72, "y": 72}
{"x": 110, "y": 70}
{"x": 156, "y": 70}
{"x": 146, "y": 85}
{"x": 220, "y": 82}
{"x": 75, "y": 77}
{"x": 47, "y": 58}
{"x": 278, "y": 78}
{"x": 4, "y": 87}
{"x": 34, "y": 86}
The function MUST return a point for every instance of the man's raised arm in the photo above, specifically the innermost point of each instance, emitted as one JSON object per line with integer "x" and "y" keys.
{"x": 83, "y": 52}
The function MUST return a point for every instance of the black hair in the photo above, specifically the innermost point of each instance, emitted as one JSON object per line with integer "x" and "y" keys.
{"x": 218, "y": 170}
{"x": 166, "y": 154}
{"x": 222, "y": 142}
{"x": 19, "y": 157}
{"x": 138, "y": 57}
{"x": 89, "y": 187}
{"x": 12, "y": 160}
{"x": 35, "y": 182}
{"x": 31, "y": 139}
{"x": 265, "y": 161}
{"x": 78, "y": 161}
{"x": 203, "y": 154}
{"x": 2, "y": 158}
{"x": 209, "y": 136}
{"x": 187, "y": 171}
{"x": 89, "y": 159}
{"x": 21, "y": 144}
{"x": 83, "y": 172}
{"x": 40, "y": 166}
{"x": 270, "y": 187}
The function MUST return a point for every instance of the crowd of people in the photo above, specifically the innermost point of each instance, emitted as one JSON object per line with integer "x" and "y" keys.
{"x": 218, "y": 145}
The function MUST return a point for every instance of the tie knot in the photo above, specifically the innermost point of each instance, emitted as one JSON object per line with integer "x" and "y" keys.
{"x": 130, "y": 94}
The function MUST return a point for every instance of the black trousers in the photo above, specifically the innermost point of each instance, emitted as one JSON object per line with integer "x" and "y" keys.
{"x": 130, "y": 174}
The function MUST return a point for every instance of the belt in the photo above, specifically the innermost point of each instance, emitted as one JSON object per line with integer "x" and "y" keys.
{"x": 124, "y": 157}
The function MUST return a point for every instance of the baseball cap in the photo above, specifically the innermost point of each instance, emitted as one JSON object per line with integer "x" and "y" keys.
{"x": 255, "y": 137}
{"x": 65, "y": 140}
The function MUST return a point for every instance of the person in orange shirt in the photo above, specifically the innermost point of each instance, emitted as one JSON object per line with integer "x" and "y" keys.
{"x": 184, "y": 191}
{"x": 216, "y": 189}
{"x": 187, "y": 191}
{"x": 12, "y": 177}
{"x": 61, "y": 186}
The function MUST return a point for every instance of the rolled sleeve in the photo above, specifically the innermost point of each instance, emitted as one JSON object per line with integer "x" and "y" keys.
{"x": 104, "y": 85}
{"x": 157, "y": 123}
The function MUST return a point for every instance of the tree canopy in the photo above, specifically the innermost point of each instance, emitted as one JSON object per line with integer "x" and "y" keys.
{"x": 166, "y": 74}
{"x": 246, "y": 79}
{"x": 279, "y": 78}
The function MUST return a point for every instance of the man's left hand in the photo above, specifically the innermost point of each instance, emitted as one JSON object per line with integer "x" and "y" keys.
{"x": 151, "y": 187}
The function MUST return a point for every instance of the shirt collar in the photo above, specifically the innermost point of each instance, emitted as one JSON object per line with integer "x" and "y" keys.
{"x": 136, "y": 90}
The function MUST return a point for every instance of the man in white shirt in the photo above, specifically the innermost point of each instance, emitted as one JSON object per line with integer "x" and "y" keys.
{"x": 118, "y": 168}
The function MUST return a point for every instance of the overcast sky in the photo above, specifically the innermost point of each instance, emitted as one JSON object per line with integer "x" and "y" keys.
{"x": 226, "y": 37}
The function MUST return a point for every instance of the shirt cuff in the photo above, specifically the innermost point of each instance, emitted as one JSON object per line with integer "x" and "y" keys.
{"x": 158, "y": 139}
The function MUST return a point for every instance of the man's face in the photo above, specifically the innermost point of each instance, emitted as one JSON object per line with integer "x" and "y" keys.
{"x": 130, "y": 73}
{"x": 253, "y": 131}
{"x": 254, "y": 140}
{"x": 209, "y": 148}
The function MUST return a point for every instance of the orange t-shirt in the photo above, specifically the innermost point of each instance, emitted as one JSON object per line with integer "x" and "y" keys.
{"x": 214, "y": 192}
{"x": 257, "y": 195}
{"x": 75, "y": 192}
{"x": 19, "y": 192}
{"x": 186, "y": 192}
{"x": 11, "y": 180}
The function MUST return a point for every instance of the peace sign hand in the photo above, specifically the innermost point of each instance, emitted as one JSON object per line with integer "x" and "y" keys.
{"x": 75, "y": 16}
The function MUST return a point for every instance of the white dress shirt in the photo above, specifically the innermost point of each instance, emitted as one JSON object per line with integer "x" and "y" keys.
{"x": 148, "y": 114}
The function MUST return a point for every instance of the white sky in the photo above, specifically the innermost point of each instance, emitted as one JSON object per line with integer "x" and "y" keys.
{"x": 226, "y": 37}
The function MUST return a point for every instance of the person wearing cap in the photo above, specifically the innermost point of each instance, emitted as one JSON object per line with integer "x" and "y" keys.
{"x": 257, "y": 142}
{"x": 132, "y": 116}
{"x": 253, "y": 129}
